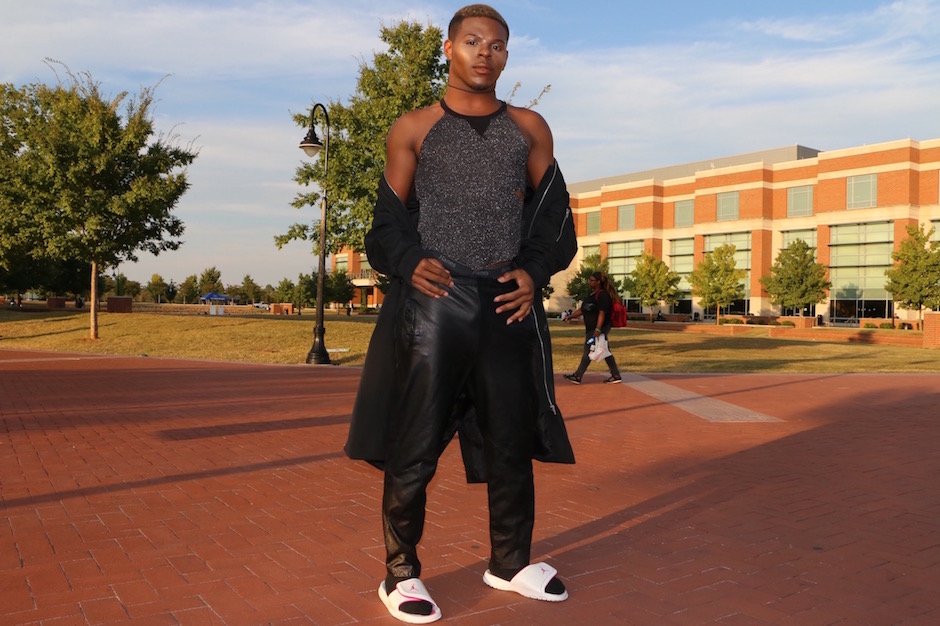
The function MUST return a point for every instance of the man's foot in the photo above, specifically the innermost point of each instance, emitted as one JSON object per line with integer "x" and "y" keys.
{"x": 538, "y": 581}
{"x": 613, "y": 379}
{"x": 409, "y": 602}
{"x": 573, "y": 378}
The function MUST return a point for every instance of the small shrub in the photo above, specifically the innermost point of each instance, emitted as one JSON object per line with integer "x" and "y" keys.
{"x": 886, "y": 325}
{"x": 730, "y": 320}
{"x": 870, "y": 325}
{"x": 788, "y": 323}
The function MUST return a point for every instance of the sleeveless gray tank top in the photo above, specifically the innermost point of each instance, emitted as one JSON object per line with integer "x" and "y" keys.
{"x": 470, "y": 183}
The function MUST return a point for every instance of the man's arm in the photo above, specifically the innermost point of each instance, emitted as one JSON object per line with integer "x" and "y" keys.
{"x": 401, "y": 149}
{"x": 541, "y": 157}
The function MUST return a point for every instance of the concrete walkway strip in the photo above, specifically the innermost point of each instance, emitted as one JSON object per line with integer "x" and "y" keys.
{"x": 698, "y": 405}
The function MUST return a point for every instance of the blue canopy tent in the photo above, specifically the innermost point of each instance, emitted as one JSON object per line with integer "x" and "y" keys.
{"x": 213, "y": 296}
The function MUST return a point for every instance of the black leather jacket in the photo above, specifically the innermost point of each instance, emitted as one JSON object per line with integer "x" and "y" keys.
{"x": 394, "y": 248}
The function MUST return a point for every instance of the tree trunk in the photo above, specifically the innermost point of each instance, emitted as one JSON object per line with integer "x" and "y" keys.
{"x": 93, "y": 311}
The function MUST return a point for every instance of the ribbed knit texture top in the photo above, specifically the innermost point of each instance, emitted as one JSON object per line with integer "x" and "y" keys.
{"x": 470, "y": 184}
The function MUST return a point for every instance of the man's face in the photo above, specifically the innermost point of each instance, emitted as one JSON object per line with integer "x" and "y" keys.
{"x": 592, "y": 283}
{"x": 477, "y": 54}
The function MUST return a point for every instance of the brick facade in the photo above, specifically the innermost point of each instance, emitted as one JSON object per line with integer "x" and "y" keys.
{"x": 907, "y": 175}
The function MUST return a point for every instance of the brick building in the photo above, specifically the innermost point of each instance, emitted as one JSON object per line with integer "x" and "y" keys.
{"x": 852, "y": 205}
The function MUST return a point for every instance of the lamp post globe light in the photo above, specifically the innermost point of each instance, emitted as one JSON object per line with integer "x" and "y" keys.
{"x": 311, "y": 145}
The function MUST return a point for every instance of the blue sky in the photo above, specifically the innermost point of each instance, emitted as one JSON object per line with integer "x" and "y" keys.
{"x": 634, "y": 85}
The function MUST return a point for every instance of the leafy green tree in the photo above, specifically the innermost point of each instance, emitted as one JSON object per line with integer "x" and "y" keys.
{"x": 914, "y": 281}
{"x": 653, "y": 282}
{"x": 717, "y": 281}
{"x": 339, "y": 288}
{"x": 305, "y": 291}
{"x": 409, "y": 75}
{"x": 284, "y": 292}
{"x": 578, "y": 287}
{"x": 795, "y": 278}
{"x": 250, "y": 290}
{"x": 79, "y": 179}
{"x": 156, "y": 288}
{"x": 189, "y": 290}
{"x": 210, "y": 280}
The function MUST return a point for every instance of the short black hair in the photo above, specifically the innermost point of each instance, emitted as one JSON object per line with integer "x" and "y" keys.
{"x": 475, "y": 10}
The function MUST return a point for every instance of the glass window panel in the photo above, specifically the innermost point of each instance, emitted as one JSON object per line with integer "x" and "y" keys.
{"x": 594, "y": 223}
{"x": 861, "y": 191}
{"x": 626, "y": 217}
{"x": 685, "y": 213}
{"x": 807, "y": 235}
{"x": 682, "y": 246}
{"x": 727, "y": 206}
{"x": 591, "y": 250}
{"x": 800, "y": 201}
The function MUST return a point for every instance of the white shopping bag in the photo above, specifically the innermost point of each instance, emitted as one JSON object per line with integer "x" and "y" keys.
{"x": 599, "y": 350}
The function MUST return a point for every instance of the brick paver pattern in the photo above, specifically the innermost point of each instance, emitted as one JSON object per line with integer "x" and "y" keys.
{"x": 160, "y": 491}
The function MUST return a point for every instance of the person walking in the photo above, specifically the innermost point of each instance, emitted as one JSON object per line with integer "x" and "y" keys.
{"x": 596, "y": 313}
{"x": 468, "y": 247}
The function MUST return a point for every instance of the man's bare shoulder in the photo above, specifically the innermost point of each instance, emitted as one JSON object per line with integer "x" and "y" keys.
{"x": 528, "y": 119}
{"x": 414, "y": 125}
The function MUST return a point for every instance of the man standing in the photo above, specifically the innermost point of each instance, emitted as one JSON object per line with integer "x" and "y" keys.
{"x": 468, "y": 247}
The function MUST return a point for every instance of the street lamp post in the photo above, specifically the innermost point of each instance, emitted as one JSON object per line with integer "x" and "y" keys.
{"x": 311, "y": 145}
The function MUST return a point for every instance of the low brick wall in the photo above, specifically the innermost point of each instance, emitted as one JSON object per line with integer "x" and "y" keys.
{"x": 120, "y": 304}
{"x": 912, "y": 339}
{"x": 282, "y": 308}
{"x": 55, "y": 303}
{"x": 931, "y": 330}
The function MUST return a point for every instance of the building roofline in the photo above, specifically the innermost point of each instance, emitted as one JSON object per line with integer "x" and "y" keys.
{"x": 775, "y": 155}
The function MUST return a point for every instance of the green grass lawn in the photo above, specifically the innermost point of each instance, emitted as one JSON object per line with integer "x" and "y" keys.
{"x": 265, "y": 338}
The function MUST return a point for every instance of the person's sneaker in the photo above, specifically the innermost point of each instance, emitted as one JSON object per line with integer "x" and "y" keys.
{"x": 571, "y": 378}
{"x": 613, "y": 380}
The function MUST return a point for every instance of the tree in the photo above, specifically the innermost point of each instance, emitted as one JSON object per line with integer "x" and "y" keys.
{"x": 578, "y": 287}
{"x": 250, "y": 289}
{"x": 284, "y": 292}
{"x": 409, "y": 75}
{"x": 156, "y": 288}
{"x": 795, "y": 278}
{"x": 716, "y": 281}
{"x": 339, "y": 288}
{"x": 210, "y": 280}
{"x": 189, "y": 290}
{"x": 653, "y": 282}
{"x": 914, "y": 281}
{"x": 79, "y": 179}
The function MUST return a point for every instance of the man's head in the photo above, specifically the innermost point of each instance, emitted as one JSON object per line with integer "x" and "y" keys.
{"x": 476, "y": 48}
{"x": 475, "y": 10}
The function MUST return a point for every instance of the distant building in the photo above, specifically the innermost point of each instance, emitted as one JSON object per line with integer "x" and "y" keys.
{"x": 852, "y": 205}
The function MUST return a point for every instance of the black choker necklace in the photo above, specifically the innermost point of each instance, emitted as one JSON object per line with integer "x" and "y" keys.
{"x": 452, "y": 86}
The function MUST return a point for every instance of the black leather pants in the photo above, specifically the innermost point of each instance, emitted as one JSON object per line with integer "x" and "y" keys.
{"x": 443, "y": 345}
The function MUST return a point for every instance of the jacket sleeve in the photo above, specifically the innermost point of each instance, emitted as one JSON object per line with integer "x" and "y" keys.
{"x": 548, "y": 239}
{"x": 393, "y": 245}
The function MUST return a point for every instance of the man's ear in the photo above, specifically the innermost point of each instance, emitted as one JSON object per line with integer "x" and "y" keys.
{"x": 448, "y": 48}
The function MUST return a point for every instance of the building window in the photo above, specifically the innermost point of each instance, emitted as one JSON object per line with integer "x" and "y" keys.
{"x": 808, "y": 235}
{"x": 682, "y": 262}
{"x": 859, "y": 254}
{"x": 341, "y": 264}
{"x": 861, "y": 192}
{"x": 593, "y": 223}
{"x": 587, "y": 251}
{"x": 800, "y": 201}
{"x": 626, "y": 217}
{"x": 622, "y": 258}
{"x": 684, "y": 213}
{"x": 727, "y": 206}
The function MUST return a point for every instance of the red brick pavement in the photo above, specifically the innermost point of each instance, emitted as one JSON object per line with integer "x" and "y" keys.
{"x": 159, "y": 491}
